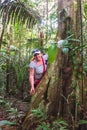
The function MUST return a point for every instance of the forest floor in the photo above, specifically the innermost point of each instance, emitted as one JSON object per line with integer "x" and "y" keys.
{"x": 13, "y": 113}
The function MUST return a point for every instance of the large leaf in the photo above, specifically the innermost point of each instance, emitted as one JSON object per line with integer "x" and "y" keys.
{"x": 85, "y": 9}
{"x": 52, "y": 53}
{"x": 81, "y": 122}
{"x": 5, "y": 122}
{"x": 18, "y": 11}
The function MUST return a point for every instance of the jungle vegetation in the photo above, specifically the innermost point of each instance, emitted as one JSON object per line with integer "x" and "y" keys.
{"x": 58, "y": 28}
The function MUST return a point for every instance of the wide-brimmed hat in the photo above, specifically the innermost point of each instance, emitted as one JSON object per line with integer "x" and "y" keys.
{"x": 36, "y": 51}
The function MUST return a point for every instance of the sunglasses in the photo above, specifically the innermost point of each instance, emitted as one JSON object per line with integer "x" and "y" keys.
{"x": 36, "y": 54}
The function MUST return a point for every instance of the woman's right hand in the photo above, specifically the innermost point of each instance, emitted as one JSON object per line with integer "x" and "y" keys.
{"x": 32, "y": 91}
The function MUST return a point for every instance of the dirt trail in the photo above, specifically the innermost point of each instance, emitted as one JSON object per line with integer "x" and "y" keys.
{"x": 21, "y": 106}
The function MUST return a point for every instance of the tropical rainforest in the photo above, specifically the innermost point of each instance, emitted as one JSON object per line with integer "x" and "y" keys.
{"x": 58, "y": 28}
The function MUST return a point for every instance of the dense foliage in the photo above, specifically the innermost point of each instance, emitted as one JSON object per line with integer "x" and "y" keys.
{"x": 28, "y": 25}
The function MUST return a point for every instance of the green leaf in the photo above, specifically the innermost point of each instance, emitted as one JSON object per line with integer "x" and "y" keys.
{"x": 63, "y": 122}
{"x": 65, "y": 43}
{"x": 85, "y": 68}
{"x": 65, "y": 50}
{"x": 75, "y": 5}
{"x": 63, "y": 128}
{"x": 52, "y": 53}
{"x": 81, "y": 122}
{"x": 5, "y": 122}
{"x": 12, "y": 53}
{"x": 85, "y": 8}
{"x": 74, "y": 40}
{"x": 2, "y": 101}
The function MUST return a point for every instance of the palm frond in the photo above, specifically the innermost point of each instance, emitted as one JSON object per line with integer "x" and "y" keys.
{"x": 17, "y": 11}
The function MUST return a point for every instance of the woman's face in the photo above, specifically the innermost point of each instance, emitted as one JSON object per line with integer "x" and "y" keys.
{"x": 38, "y": 57}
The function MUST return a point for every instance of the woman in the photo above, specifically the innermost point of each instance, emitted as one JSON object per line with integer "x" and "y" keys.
{"x": 38, "y": 67}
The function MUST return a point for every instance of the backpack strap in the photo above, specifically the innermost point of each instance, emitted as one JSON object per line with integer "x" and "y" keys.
{"x": 43, "y": 66}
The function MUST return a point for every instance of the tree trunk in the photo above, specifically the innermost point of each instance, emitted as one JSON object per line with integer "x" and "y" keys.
{"x": 66, "y": 16}
{"x": 79, "y": 35}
